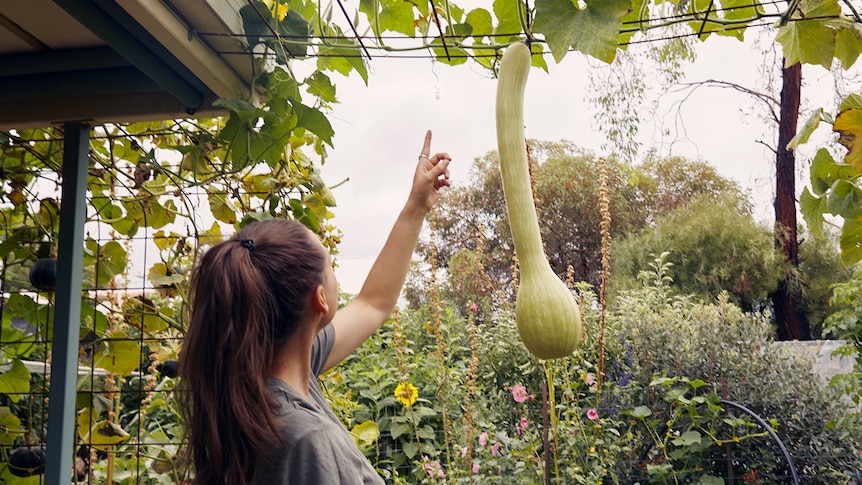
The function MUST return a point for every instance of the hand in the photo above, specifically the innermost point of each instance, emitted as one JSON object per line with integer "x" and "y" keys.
{"x": 432, "y": 172}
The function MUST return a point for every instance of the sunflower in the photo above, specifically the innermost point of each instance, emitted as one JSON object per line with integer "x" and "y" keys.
{"x": 406, "y": 393}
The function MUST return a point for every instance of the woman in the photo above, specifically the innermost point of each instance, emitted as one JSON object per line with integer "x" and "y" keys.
{"x": 263, "y": 325}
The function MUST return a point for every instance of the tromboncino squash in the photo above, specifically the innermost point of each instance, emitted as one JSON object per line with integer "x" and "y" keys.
{"x": 548, "y": 317}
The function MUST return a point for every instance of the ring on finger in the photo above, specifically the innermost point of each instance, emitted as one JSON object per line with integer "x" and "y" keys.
{"x": 422, "y": 155}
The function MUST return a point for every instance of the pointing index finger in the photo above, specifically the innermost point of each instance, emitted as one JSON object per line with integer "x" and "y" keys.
{"x": 426, "y": 149}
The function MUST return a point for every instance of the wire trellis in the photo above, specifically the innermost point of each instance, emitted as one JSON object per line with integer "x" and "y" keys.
{"x": 444, "y": 42}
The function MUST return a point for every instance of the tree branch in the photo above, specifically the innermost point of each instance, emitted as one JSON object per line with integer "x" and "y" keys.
{"x": 771, "y": 102}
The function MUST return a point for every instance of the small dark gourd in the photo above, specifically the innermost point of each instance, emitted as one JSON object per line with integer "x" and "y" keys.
{"x": 548, "y": 317}
{"x": 26, "y": 461}
{"x": 169, "y": 368}
{"x": 43, "y": 274}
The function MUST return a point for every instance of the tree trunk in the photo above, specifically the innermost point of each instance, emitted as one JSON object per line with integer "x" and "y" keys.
{"x": 792, "y": 323}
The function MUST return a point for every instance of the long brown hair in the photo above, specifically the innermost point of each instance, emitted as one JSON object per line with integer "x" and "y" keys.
{"x": 247, "y": 297}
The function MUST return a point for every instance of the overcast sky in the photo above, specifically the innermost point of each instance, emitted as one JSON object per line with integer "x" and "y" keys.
{"x": 380, "y": 127}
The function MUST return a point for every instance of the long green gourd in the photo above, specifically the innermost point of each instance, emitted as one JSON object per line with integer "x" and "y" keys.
{"x": 548, "y": 318}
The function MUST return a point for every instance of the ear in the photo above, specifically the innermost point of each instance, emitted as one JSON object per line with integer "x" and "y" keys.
{"x": 318, "y": 300}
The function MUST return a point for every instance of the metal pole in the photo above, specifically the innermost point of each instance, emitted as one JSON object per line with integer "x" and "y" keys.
{"x": 67, "y": 307}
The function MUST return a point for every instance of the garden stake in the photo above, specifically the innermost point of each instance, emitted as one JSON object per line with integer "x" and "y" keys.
{"x": 545, "y": 433}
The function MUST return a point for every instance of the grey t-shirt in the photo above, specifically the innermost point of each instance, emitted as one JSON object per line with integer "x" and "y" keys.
{"x": 317, "y": 449}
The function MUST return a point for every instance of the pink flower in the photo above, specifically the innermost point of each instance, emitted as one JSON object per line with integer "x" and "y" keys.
{"x": 592, "y": 414}
{"x": 522, "y": 425}
{"x": 519, "y": 393}
{"x": 483, "y": 439}
{"x": 463, "y": 452}
{"x": 495, "y": 448}
{"x": 475, "y": 468}
{"x": 590, "y": 379}
{"x": 473, "y": 307}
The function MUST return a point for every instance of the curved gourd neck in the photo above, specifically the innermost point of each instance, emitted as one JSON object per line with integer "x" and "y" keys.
{"x": 512, "y": 148}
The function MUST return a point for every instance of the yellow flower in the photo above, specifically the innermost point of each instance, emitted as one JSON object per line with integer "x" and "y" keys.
{"x": 406, "y": 393}
{"x": 279, "y": 10}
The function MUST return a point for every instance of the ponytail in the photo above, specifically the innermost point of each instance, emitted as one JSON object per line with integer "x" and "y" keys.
{"x": 247, "y": 298}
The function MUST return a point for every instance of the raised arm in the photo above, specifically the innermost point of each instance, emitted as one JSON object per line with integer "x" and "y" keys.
{"x": 372, "y": 306}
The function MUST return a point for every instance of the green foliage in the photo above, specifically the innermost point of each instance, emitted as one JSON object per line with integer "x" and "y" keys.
{"x": 846, "y": 324}
{"x": 733, "y": 353}
{"x": 835, "y": 189}
{"x": 656, "y": 417}
{"x": 709, "y": 251}
{"x": 567, "y": 197}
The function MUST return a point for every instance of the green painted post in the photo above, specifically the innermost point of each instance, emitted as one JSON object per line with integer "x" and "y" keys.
{"x": 67, "y": 306}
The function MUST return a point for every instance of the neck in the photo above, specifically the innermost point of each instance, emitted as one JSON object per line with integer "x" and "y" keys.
{"x": 293, "y": 362}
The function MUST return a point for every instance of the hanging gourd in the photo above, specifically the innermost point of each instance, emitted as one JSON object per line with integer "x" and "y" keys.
{"x": 548, "y": 318}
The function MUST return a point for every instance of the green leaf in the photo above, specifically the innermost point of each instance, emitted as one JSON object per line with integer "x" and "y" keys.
{"x": 851, "y": 101}
{"x": 808, "y": 42}
{"x": 222, "y": 209}
{"x": 804, "y": 133}
{"x": 365, "y": 433}
{"x": 161, "y": 276}
{"x": 294, "y": 32}
{"x": 449, "y": 54}
{"x": 282, "y": 84}
{"x": 313, "y": 120}
{"x": 641, "y": 412}
{"x": 480, "y": 21}
{"x": 398, "y": 429}
{"x": 812, "y": 209}
{"x": 342, "y": 60}
{"x": 117, "y": 353}
{"x": 10, "y": 426}
{"x": 556, "y": 20}
{"x": 821, "y": 8}
{"x": 710, "y": 480}
{"x": 851, "y": 242}
{"x": 507, "y": 13}
{"x": 844, "y": 199}
{"x": 410, "y": 449}
{"x": 321, "y": 86}
{"x": 848, "y": 46}
{"x": 104, "y": 434}
{"x": 15, "y": 382}
{"x": 593, "y": 30}
{"x": 697, "y": 383}
{"x": 108, "y": 261}
{"x": 26, "y": 308}
{"x": 848, "y": 125}
{"x": 824, "y": 172}
{"x": 688, "y": 438}
{"x": 396, "y": 16}
{"x": 141, "y": 313}
{"x": 10, "y": 243}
